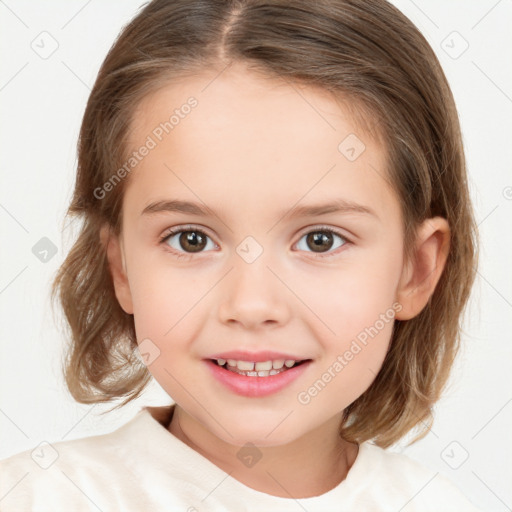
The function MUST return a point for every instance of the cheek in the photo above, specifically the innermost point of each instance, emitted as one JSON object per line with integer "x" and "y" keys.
{"x": 355, "y": 306}
{"x": 165, "y": 302}
{"x": 348, "y": 368}
{"x": 159, "y": 287}
{"x": 348, "y": 298}
{"x": 168, "y": 317}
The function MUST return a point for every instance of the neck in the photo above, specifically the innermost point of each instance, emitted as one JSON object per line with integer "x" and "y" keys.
{"x": 308, "y": 466}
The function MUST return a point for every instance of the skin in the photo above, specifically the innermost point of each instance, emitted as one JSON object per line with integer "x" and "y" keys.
{"x": 252, "y": 148}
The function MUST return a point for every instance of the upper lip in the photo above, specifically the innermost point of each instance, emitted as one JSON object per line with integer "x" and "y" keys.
{"x": 257, "y": 357}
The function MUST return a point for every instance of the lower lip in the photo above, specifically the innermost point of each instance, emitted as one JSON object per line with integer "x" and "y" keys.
{"x": 256, "y": 386}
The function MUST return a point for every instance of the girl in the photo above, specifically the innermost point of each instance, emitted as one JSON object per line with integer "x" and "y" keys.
{"x": 225, "y": 142}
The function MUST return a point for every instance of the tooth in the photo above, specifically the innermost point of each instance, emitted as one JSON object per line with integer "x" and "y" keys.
{"x": 252, "y": 374}
{"x": 266, "y": 365}
{"x": 221, "y": 362}
{"x": 232, "y": 362}
{"x": 277, "y": 364}
{"x": 263, "y": 373}
{"x": 273, "y": 372}
{"x": 245, "y": 365}
{"x": 289, "y": 363}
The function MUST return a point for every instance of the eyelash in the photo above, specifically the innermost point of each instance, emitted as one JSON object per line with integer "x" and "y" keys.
{"x": 189, "y": 256}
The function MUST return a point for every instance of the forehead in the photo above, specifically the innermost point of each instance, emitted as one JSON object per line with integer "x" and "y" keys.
{"x": 239, "y": 94}
{"x": 249, "y": 136}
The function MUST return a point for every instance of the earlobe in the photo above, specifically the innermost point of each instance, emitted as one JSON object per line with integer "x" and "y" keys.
{"x": 117, "y": 266}
{"x": 421, "y": 275}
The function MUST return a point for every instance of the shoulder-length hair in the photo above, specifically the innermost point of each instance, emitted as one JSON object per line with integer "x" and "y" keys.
{"x": 363, "y": 50}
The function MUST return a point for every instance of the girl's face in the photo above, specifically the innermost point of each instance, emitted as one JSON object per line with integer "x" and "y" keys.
{"x": 259, "y": 271}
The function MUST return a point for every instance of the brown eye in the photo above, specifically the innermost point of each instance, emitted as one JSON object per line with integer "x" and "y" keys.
{"x": 187, "y": 241}
{"x": 192, "y": 241}
{"x": 321, "y": 241}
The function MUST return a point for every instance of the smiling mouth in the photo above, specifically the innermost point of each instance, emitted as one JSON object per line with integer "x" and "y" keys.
{"x": 249, "y": 369}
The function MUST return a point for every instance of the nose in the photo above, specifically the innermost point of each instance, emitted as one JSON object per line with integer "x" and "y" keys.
{"x": 253, "y": 296}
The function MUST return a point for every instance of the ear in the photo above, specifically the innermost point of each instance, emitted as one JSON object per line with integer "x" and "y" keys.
{"x": 421, "y": 275}
{"x": 115, "y": 255}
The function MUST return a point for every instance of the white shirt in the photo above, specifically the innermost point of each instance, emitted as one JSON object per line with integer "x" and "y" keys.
{"x": 142, "y": 467}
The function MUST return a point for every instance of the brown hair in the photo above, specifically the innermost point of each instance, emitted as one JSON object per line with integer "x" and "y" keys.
{"x": 366, "y": 51}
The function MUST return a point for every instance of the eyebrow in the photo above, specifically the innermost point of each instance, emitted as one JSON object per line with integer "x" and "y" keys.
{"x": 335, "y": 206}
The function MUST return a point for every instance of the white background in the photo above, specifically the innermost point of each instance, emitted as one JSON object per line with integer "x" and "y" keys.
{"x": 41, "y": 104}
